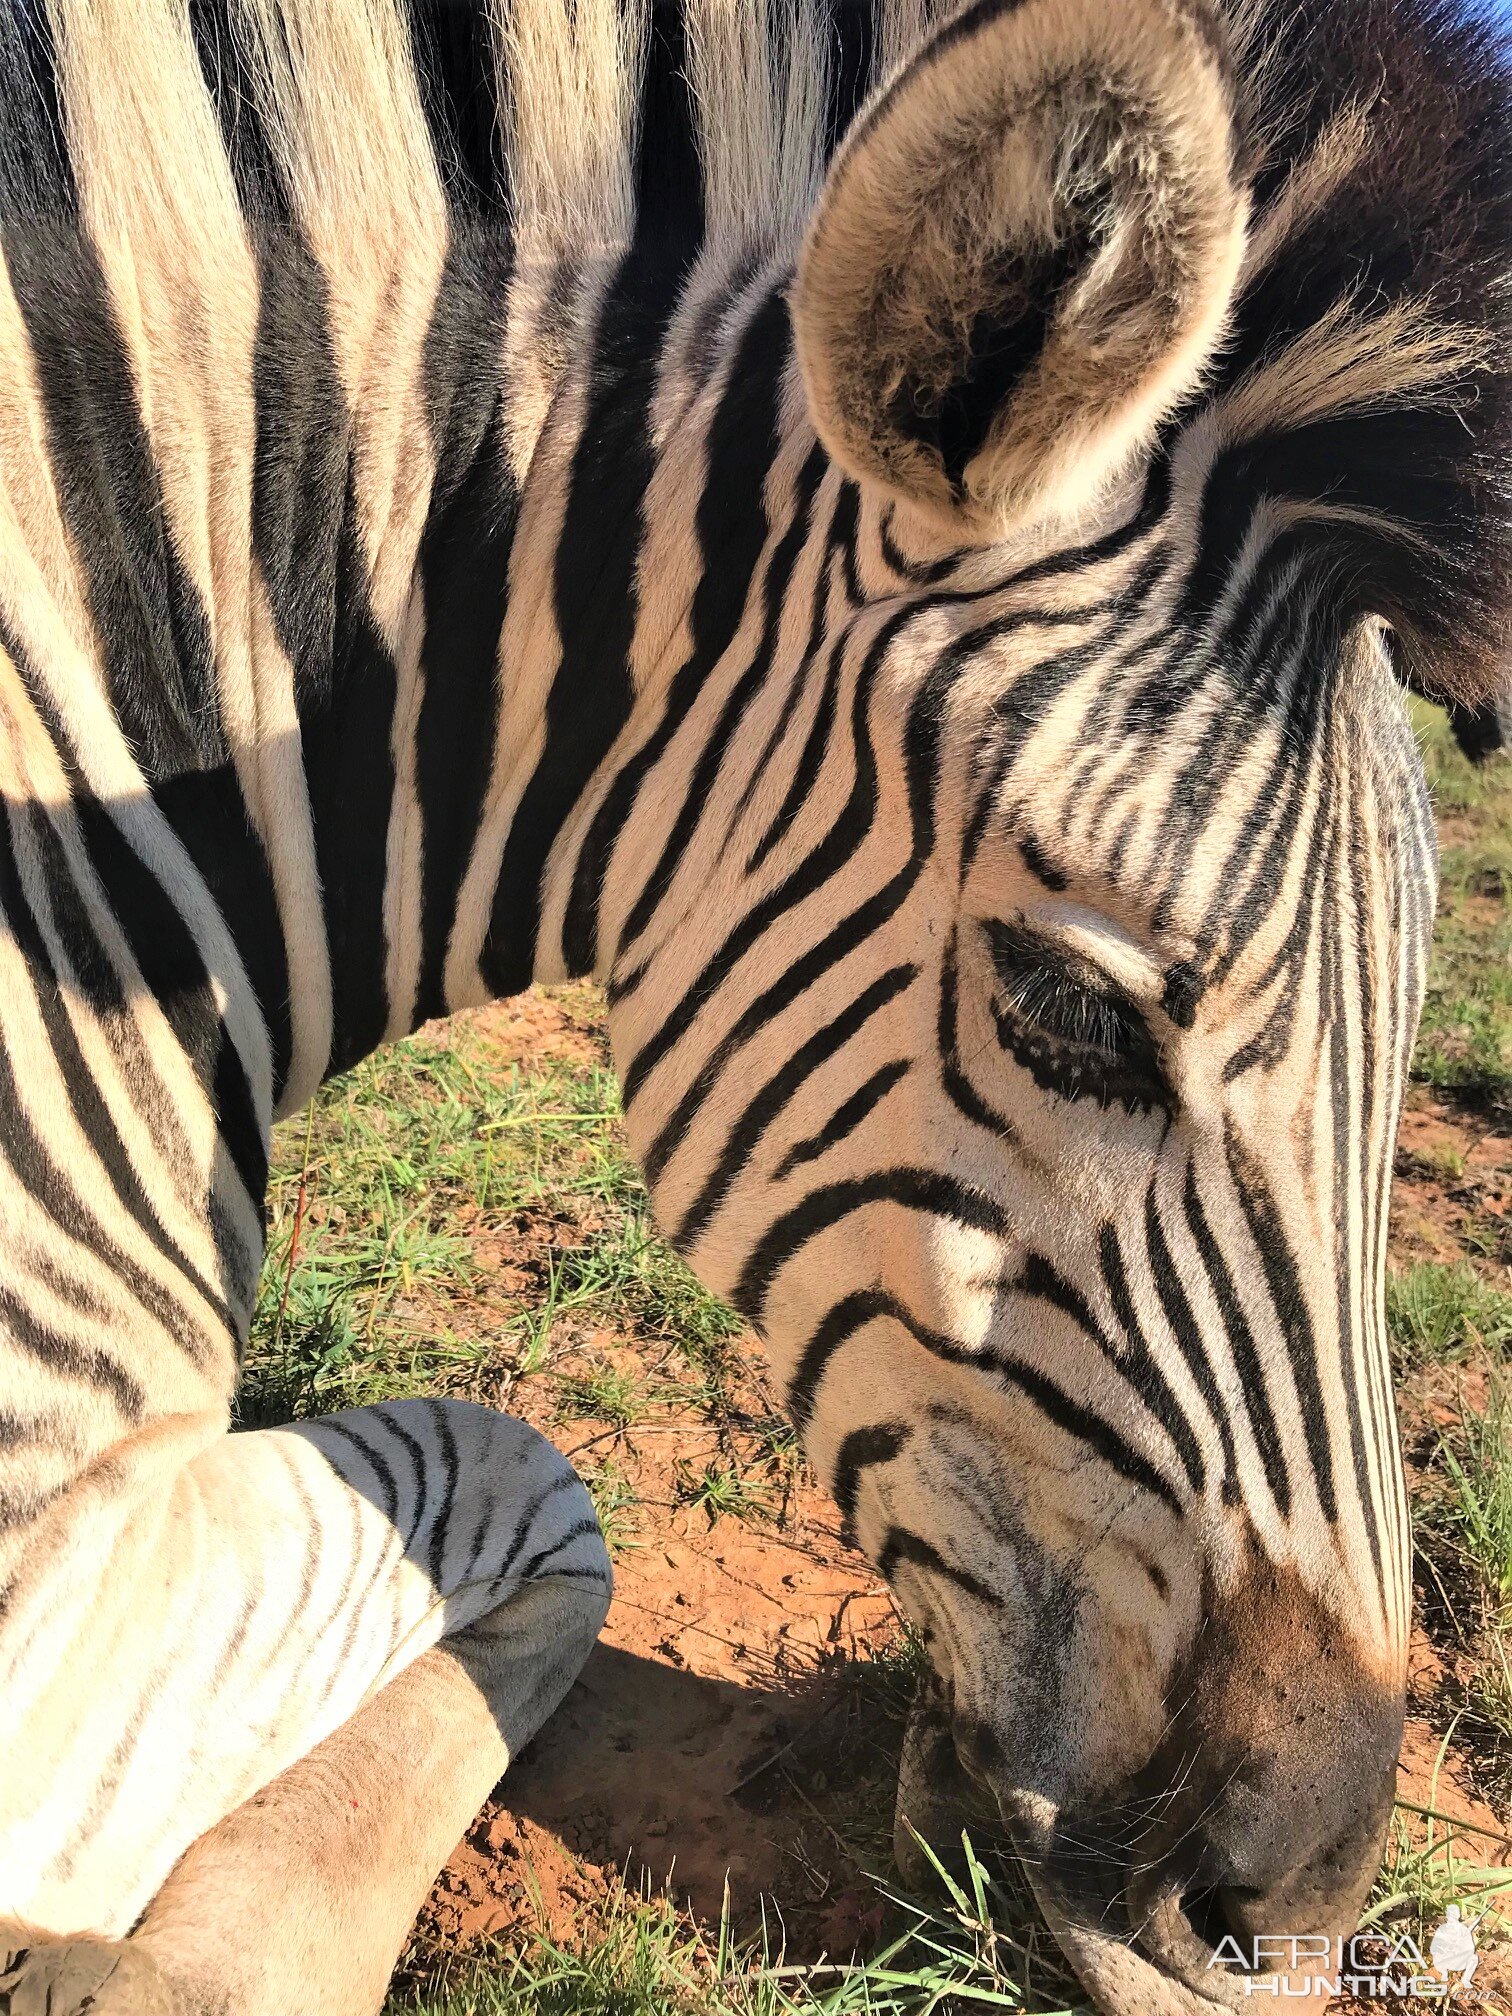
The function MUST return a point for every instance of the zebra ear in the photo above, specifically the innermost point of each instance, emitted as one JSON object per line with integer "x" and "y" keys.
{"x": 1024, "y": 255}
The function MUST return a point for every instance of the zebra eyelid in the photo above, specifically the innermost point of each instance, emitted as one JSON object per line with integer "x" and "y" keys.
{"x": 1030, "y": 965}
{"x": 1088, "y": 950}
{"x": 1072, "y": 1026}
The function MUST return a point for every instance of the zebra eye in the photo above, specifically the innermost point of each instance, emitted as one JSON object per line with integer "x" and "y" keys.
{"x": 1070, "y": 1028}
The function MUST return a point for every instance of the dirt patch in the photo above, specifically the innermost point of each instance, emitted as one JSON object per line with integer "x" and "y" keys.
{"x": 749, "y": 1688}
{"x": 724, "y": 1653}
{"x": 565, "y": 1026}
{"x": 1429, "y": 1774}
{"x": 1453, "y": 1188}
{"x": 699, "y": 1751}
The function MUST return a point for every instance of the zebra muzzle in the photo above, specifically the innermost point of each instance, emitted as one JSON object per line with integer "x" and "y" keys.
{"x": 1248, "y": 1841}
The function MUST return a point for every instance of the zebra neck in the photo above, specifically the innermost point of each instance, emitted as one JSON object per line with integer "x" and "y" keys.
{"x": 650, "y": 471}
{"x": 451, "y": 709}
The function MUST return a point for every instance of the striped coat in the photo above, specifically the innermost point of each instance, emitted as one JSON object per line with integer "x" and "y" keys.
{"x": 887, "y": 533}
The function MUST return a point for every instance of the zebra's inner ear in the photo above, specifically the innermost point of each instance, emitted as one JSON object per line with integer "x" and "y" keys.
{"x": 1024, "y": 255}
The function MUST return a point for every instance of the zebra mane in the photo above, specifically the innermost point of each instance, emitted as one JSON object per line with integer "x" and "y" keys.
{"x": 1365, "y": 382}
{"x": 1369, "y": 369}
{"x": 1367, "y": 377}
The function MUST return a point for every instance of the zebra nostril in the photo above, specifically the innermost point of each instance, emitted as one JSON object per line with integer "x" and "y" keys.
{"x": 1181, "y": 1928}
{"x": 1200, "y": 1932}
{"x": 1229, "y": 1940}
{"x": 1204, "y": 1910}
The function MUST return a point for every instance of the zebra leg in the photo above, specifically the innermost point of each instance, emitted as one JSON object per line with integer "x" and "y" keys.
{"x": 300, "y": 1900}
{"x": 409, "y": 1591}
{"x": 321, "y": 1874}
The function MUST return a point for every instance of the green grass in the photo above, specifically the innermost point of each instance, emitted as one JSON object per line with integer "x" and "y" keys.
{"x": 1438, "y": 1313}
{"x": 1463, "y": 1514}
{"x": 370, "y": 1270}
{"x": 1432, "y": 1861}
{"x": 645, "y": 1959}
{"x": 614, "y": 1502}
{"x": 1442, "y": 1159}
{"x": 1463, "y": 1536}
{"x": 725, "y": 1491}
{"x": 1476, "y": 1511}
{"x": 604, "y": 1393}
{"x": 1461, "y": 1315}
{"x": 1465, "y": 1043}
{"x": 1460, "y": 786}
{"x": 626, "y": 1268}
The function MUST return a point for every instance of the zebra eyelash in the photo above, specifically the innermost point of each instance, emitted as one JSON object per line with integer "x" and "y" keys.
{"x": 1077, "y": 1035}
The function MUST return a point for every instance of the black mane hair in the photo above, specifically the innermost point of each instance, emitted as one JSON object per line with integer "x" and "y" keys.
{"x": 1420, "y": 222}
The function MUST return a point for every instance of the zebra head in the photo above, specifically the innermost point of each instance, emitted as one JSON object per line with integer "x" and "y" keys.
{"x": 1016, "y": 919}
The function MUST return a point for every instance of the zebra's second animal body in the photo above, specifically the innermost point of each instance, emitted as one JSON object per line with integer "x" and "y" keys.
{"x": 885, "y": 542}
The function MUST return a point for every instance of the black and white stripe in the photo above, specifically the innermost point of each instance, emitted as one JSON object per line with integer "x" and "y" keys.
{"x": 431, "y": 560}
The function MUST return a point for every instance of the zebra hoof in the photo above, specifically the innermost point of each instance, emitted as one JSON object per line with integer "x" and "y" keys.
{"x": 81, "y": 1977}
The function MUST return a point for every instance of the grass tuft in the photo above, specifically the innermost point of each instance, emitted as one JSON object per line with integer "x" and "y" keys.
{"x": 1475, "y": 1512}
{"x": 1437, "y": 1313}
{"x": 614, "y": 1502}
{"x": 1432, "y": 1861}
{"x": 1465, "y": 1042}
{"x": 645, "y": 1959}
{"x": 603, "y": 1393}
{"x": 724, "y": 1491}
{"x": 377, "y": 1195}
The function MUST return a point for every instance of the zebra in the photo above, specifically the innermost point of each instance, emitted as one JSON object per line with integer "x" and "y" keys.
{"x": 889, "y": 533}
